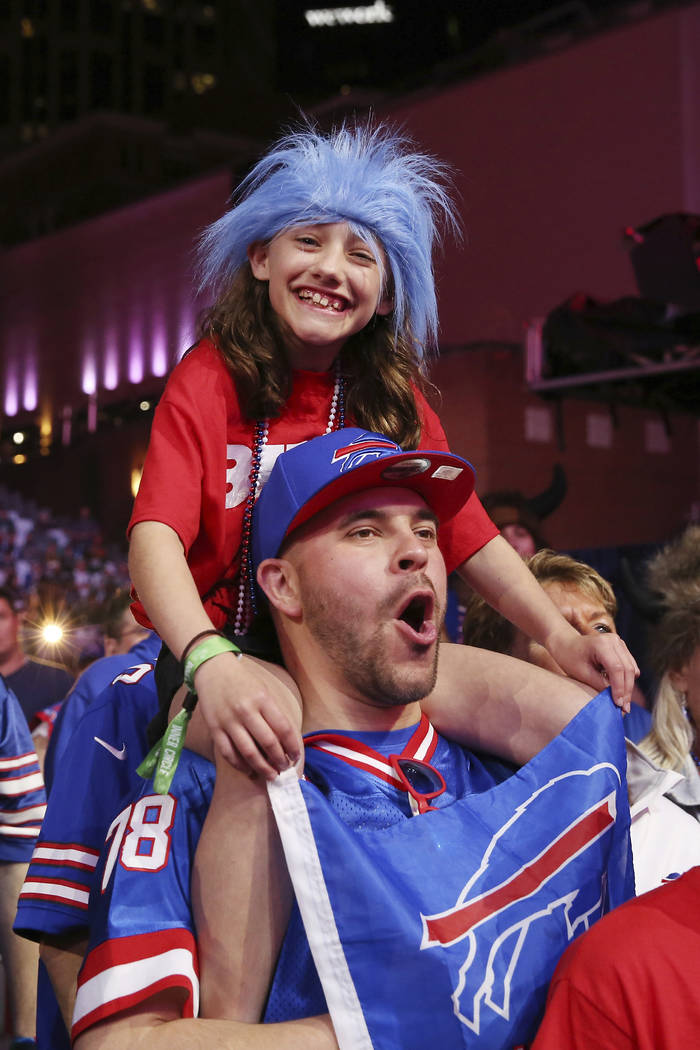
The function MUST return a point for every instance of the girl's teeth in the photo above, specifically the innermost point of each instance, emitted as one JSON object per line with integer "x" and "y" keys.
{"x": 321, "y": 300}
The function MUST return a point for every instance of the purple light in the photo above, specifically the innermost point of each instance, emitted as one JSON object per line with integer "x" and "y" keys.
{"x": 159, "y": 347}
{"x": 111, "y": 361}
{"x": 89, "y": 380}
{"x": 11, "y": 392}
{"x": 136, "y": 350}
{"x": 30, "y": 397}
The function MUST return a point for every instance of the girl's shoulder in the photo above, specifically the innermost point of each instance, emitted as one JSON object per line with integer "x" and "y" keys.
{"x": 202, "y": 355}
{"x": 202, "y": 368}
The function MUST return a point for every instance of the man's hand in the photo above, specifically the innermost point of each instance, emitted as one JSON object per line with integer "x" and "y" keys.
{"x": 599, "y": 660}
{"x": 252, "y": 713}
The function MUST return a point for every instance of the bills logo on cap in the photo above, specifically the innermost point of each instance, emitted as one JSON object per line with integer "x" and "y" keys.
{"x": 366, "y": 447}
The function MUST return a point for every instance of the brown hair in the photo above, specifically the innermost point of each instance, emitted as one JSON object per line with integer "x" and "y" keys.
{"x": 380, "y": 368}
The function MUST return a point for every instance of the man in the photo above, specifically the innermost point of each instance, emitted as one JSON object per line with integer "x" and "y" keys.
{"x": 345, "y": 540}
{"x": 126, "y": 644}
{"x": 22, "y": 806}
{"x": 98, "y": 741}
{"x": 35, "y": 683}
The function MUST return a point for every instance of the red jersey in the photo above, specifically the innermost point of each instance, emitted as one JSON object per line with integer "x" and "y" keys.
{"x": 197, "y": 469}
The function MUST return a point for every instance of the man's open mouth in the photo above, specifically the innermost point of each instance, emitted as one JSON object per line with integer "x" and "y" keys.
{"x": 418, "y": 611}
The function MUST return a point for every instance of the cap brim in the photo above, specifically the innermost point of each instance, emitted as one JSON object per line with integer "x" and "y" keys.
{"x": 444, "y": 481}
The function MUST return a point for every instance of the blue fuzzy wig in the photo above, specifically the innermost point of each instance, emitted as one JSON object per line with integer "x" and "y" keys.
{"x": 370, "y": 177}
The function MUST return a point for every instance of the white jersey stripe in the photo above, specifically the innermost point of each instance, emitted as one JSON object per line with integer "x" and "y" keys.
{"x": 21, "y": 785}
{"x": 30, "y": 831}
{"x": 64, "y": 854}
{"x": 68, "y": 894}
{"x": 21, "y": 816}
{"x": 359, "y": 758}
{"x": 126, "y": 979}
{"x": 424, "y": 747}
{"x": 18, "y": 761}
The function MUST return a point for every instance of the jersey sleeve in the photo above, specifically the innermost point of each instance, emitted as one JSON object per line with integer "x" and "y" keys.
{"x": 471, "y": 529}
{"x": 170, "y": 487}
{"x": 141, "y": 926}
{"x": 96, "y": 771}
{"x": 22, "y": 795}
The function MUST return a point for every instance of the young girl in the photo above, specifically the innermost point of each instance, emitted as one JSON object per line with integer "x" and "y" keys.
{"x": 324, "y": 313}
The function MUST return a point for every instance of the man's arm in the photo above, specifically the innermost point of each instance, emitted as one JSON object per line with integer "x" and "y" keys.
{"x": 241, "y": 898}
{"x": 501, "y": 705}
{"x": 62, "y": 958}
{"x": 157, "y": 1025}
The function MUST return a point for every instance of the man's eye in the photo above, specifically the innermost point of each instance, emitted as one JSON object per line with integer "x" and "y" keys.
{"x": 427, "y": 534}
{"x": 602, "y": 628}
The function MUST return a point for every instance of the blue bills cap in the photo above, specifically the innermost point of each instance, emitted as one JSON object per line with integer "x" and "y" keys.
{"x": 308, "y": 478}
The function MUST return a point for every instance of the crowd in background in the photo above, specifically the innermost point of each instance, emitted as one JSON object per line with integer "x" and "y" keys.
{"x": 58, "y": 565}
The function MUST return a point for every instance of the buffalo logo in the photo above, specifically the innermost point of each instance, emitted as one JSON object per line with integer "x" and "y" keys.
{"x": 550, "y": 896}
{"x": 355, "y": 454}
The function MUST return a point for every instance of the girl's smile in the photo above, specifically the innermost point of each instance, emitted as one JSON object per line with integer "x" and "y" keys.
{"x": 325, "y": 285}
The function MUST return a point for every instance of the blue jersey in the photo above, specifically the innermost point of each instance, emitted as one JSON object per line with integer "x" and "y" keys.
{"x": 97, "y": 771}
{"x": 22, "y": 796}
{"x": 141, "y": 925}
{"x": 86, "y": 690}
{"x": 452, "y": 891}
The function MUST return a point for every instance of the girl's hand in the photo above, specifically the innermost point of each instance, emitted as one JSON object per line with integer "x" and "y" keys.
{"x": 252, "y": 711}
{"x": 599, "y": 660}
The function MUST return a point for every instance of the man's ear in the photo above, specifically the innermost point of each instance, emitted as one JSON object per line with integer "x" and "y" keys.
{"x": 258, "y": 257}
{"x": 278, "y": 579}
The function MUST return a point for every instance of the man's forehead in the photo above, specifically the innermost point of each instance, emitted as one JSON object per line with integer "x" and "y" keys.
{"x": 373, "y": 502}
{"x": 385, "y": 501}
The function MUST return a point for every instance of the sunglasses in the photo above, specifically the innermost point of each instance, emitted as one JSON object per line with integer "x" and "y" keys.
{"x": 420, "y": 780}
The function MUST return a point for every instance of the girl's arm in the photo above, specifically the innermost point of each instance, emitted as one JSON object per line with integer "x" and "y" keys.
{"x": 239, "y": 703}
{"x": 495, "y": 703}
{"x": 502, "y": 578}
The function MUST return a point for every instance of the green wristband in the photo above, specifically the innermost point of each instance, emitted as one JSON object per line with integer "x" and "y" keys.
{"x": 203, "y": 652}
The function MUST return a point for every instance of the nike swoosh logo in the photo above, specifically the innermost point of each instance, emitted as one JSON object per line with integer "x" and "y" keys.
{"x": 112, "y": 750}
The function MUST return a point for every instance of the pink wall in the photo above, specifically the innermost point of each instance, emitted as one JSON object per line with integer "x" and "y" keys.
{"x": 554, "y": 158}
{"x": 107, "y": 304}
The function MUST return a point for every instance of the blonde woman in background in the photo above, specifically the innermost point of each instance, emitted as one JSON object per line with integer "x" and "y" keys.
{"x": 665, "y": 840}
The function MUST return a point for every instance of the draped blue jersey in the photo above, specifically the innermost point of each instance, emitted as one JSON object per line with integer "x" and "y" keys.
{"x": 22, "y": 796}
{"x": 418, "y": 880}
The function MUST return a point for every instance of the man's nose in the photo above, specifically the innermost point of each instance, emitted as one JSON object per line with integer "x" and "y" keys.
{"x": 410, "y": 553}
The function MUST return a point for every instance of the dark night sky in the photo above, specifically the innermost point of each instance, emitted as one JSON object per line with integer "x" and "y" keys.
{"x": 425, "y": 37}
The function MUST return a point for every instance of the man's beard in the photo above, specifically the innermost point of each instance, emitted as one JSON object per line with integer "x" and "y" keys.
{"x": 362, "y": 658}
